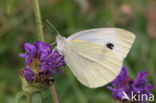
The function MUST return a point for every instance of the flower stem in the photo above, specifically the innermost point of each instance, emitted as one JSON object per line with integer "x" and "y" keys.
{"x": 41, "y": 36}
{"x": 54, "y": 93}
{"x": 29, "y": 98}
{"x": 38, "y": 19}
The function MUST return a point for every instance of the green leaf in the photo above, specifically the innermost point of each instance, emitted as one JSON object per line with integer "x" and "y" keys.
{"x": 31, "y": 88}
{"x": 19, "y": 95}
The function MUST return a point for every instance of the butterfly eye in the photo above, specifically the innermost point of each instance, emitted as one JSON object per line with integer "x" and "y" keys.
{"x": 110, "y": 46}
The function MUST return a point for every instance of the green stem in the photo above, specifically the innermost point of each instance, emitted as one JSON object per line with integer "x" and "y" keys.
{"x": 54, "y": 93}
{"x": 38, "y": 19}
{"x": 41, "y": 36}
{"x": 40, "y": 97}
{"x": 29, "y": 98}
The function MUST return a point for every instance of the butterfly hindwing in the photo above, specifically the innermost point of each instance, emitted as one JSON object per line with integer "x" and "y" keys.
{"x": 93, "y": 65}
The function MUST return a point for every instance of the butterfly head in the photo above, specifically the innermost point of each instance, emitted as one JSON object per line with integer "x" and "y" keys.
{"x": 61, "y": 41}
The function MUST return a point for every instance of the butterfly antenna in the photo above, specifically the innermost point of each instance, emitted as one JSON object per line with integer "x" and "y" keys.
{"x": 52, "y": 26}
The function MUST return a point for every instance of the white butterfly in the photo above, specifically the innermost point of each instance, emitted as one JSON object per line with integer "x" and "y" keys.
{"x": 95, "y": 56}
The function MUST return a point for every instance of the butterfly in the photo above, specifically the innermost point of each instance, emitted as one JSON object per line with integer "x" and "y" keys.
{"x": 95, "y": 56}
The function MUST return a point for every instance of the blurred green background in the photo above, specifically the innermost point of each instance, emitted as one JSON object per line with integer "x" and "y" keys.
{"x": 17, "y": 26}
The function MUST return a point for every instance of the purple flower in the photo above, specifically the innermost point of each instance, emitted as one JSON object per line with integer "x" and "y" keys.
{"x": 123, "y": 83}
{"x": 43, "y": 49}
{"x": 31, "y": 52}
{"x": 42, "y": 58}
{"x": 140, "y": 85}
{"x": 52, "y": 63}
{"x": 30, "y": 49}
{"x": 121, "y": 79}
{"x": 29, "y": 74}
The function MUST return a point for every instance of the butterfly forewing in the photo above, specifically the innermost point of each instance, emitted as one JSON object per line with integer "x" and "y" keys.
{"x": 118, "y": 40}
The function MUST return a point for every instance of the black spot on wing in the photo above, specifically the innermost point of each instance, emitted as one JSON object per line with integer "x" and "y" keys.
{"x": 110, "y": 45}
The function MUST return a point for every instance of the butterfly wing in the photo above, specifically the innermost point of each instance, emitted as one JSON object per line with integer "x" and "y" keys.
{"x": 93, "y": 65}
{"x": 118, "y": 40}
